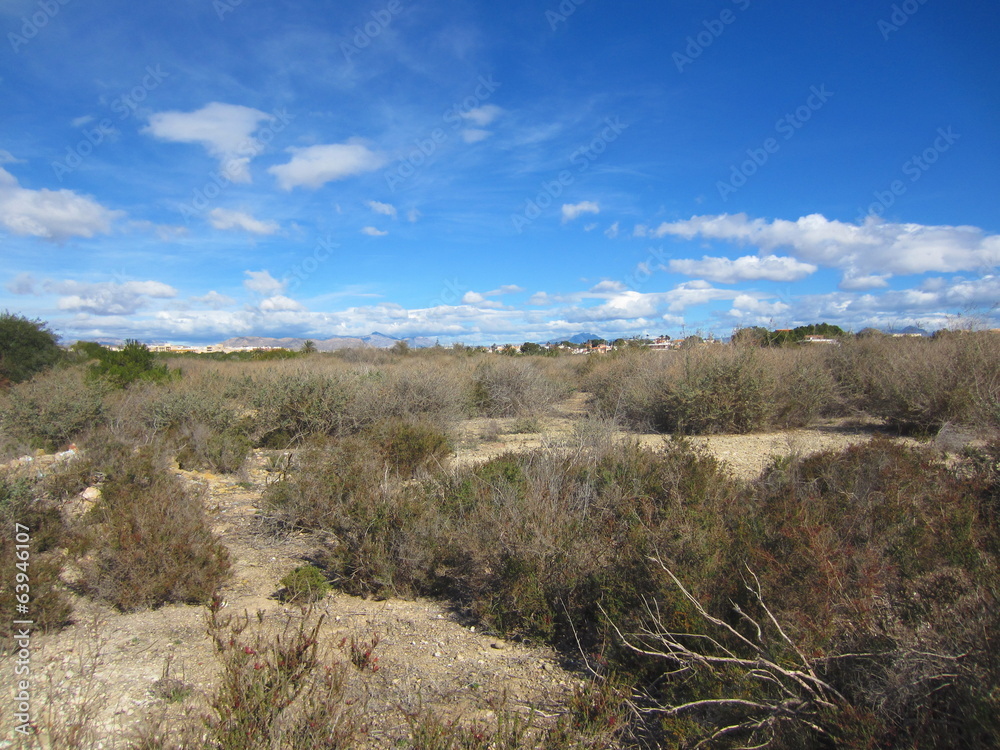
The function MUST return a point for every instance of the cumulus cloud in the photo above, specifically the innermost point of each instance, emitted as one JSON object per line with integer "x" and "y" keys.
{"x": 214, "y": 300}
{"x": 263, "y": 283}
{"x": 224, "y": 130}
{"x": 223, "y": 218}
{"x": 373, "y": 232}
{"x": 386, "y": 209}
{"x": 746, "y": 268}
{"x": 746, "y": 306}
{"x": 872, "y": 248}
{"x": 571, "y": 210}
{"x": 51, "y": 214}
{"x": 315, "y": 166}
{"x": 280, "y": 303}
{"x": 108, "y": 298}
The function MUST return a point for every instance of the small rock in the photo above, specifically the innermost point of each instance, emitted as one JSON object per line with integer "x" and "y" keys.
{"x": 498, "y": 645}
{"x": 437, "y": 654}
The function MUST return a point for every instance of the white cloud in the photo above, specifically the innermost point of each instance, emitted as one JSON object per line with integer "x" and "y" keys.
{"x": 412, "y": 215}
{"x": 386, "y": 209}
{"x": 108, "y": 298}
{"x": 612, "y": 231}
{"x": 571, "y": 210}
{"x": 224, "y": 130}
{"x": 374, "y": 232}
{"x": 214, "y": 300}
{"x": 79, "y": 122}
{"x": 484, "y": 115}
{"x": 315, "y": 166}
{"x": 223, "y": 218}
{"x": 746, "y": 268}
{"x": 475, "y": 135}
{"x": 851, "y": 282}
{"x": 590, "y": 227}
{"x": 872, "y": 248}
{"x": 51, "y": 214}
{"x": 280, "y": 303}
{"x": 263, "y": 283}
{"x": 746, "y": 306}
{"x": 481, "y": 298}
{"x": 6, "y": 157}
{"x": 608, "y": 286}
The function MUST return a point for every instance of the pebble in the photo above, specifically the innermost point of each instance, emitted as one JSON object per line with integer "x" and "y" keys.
{"x": 498, "y": 645}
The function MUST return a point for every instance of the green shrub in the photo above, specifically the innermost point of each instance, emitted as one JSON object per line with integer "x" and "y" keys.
{"x": 305, "y": 584}
{"x": 133, "y": 362}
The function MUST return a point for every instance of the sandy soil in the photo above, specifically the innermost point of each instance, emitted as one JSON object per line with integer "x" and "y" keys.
{"x": 110, "y": 663}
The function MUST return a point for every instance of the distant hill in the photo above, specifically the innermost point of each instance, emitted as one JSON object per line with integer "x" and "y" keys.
{"x": 374, "y": 340}
{"x": 579, "y": 338}
{"x": 911, "y": 329}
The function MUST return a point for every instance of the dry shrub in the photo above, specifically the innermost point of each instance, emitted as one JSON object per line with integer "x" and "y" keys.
{"x": 37, "y": 563}
{"x": 429, "y": 389}
{"x": 802, "y": 386}
{"x": 52, "y": 409}
{"x": 290, "y": 405}
{"x": 692, "y": 391}
{"x": 512, "y": 387}
{"x": 147, "y": 540}
{"x": 919, "y": 385}
{"x": 278, "y": 690}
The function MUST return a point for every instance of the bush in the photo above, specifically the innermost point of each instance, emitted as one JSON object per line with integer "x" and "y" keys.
{"x": 203, "y": 448}
{"x": 919, "y": 385}
{"x": 129, "y": 364}
{"x": 26, "y": 348}
{"x": 51, "y": 410}
{"x": 409, "y": 445}
{"x": 148, "y": 541}
{"x": 23, "y": 508}
{"x": 305, "y": 584}
{"x": 510, "y": 387}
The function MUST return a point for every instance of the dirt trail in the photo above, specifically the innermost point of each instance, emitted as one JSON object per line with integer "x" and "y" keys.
{"x": 428, "y": 656}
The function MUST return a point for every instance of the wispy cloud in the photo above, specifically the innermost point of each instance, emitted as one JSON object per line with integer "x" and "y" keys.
{"x": 223, "y": 218}
{"x": 572, "y": 210}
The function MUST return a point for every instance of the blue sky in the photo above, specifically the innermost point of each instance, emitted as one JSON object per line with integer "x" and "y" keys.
{"x": 485, "y": 172}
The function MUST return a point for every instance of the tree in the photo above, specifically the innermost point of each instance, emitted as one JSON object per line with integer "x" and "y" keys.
{"x": 26, "y": 347}
{"x": 400, "y": 347}
{"x": 530, "y": 347}
{"x": 309, "y": 346}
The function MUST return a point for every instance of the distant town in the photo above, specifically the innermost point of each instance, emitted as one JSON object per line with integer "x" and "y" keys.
{"x": 582, "y": 343}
